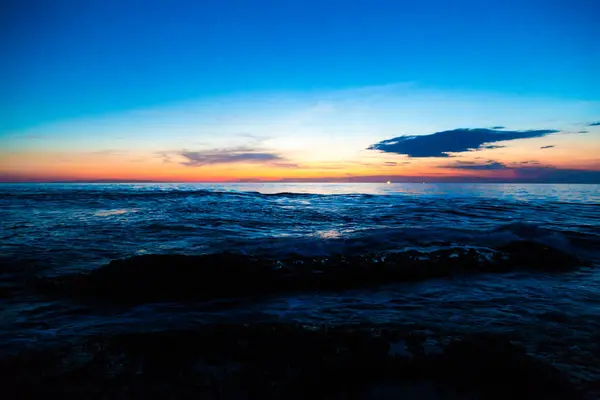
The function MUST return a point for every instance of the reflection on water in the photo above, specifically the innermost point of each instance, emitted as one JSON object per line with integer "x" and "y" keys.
{"x": 106, "y": 213}
{"x": 328, "y": 234}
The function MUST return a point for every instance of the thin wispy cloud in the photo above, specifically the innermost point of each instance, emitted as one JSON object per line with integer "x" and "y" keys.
{"x": 199, "y": 159}
{"x": 489, "y": 166}
{"x": 527, "y": 171}
{"x": 441, "y": 144}
{"x": 233, "y": 155}
{"x": 547, "y": 147}
{"x": 531, "y": 162}
{"x": 597, "y": 123}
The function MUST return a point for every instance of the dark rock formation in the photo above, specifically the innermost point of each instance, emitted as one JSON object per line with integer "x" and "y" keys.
{"x": 536, "y": 256}
{"x": 282, "y": 361}
{"x": 176, "y": 277}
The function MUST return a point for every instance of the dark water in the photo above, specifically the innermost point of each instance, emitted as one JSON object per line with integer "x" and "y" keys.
{"x": 55, "y": 229}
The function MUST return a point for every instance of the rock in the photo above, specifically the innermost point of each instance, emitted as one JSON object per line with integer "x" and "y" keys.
{"x": 499, "y": 369}
{"x": 152, "y": 278}
{"x": 537, "y": 256}
{"x": 279, "y": 361}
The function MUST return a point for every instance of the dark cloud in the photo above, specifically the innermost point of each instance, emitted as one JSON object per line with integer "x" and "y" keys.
{"x": 489, "y": 166}
{"x": 390, "y": 163}
{"x": 547, "y": 147}
{"x": 440, "y": 144}
{"x": 497, "y": 127}
{"x": 583, "y": 132}
{"x": 597, "y": 123}
{"x": 491, "y": 147}
{"x": 227, "y": 156}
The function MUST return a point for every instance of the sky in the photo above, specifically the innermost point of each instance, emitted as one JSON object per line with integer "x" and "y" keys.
{"x": 300, "y": 90}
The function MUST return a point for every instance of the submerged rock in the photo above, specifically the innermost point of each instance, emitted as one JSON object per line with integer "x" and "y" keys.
{"x": 537, "y": 256}
{"x": 495, "y": 365}
{"x": 281, "y": 361}
{"x": 177, "y": 277}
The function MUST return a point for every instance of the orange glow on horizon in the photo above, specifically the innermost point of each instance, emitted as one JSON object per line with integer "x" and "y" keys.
{"x": 50, "y": 166}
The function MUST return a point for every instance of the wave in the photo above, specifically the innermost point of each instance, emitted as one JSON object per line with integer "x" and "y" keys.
{"x": 332, "y": 242}
{"x": 152, "y": 278}
{"x": 116, "y": 194}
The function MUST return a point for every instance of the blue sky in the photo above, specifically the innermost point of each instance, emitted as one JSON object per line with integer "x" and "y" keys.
{"x": 89, "y": 63}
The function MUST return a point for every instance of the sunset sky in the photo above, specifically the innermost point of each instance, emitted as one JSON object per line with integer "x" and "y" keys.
{"x": 474, "y": 90}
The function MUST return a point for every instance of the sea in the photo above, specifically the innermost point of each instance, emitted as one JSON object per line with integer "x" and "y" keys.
{"x": 53, "y": 230}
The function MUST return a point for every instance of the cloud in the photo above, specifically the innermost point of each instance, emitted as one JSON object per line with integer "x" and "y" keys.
{"x": 497, "y": 127}
{"x": 531, "y": 162}
{"x": 491, "y": 147}
{"x": 547, "y": 147}
{"x": 440, "y": 144}
{"x": 390, "y": 163}
{"x": 525, "y": 171}
{"x": 597, "y": 123}
{"x": 201, "y": 158}
{"x": 254, "y": 137}
{"x": 489, "y": 166}
{"x": 583, "y": 132}
{"x": 233, "y": 155}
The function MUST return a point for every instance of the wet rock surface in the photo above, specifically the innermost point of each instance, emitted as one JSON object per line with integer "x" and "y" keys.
{"x": 284, "y": 361}
{"x": 178, "y": 277}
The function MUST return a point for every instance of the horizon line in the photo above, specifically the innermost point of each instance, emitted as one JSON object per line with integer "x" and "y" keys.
{"x": 383, "y": 181}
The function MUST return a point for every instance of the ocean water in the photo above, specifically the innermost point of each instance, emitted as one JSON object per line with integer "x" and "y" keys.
{"x": 53, "y": 230}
